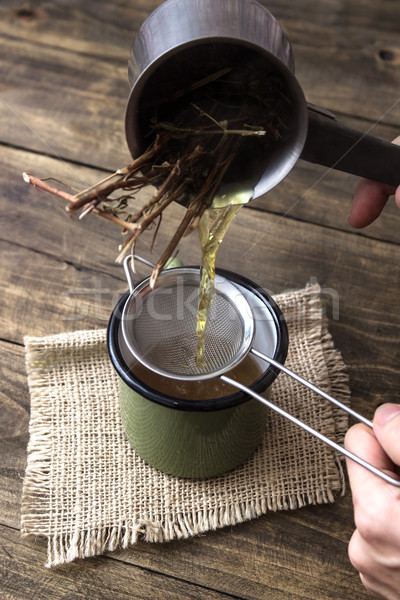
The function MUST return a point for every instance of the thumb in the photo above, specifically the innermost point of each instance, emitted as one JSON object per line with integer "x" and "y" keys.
{"x": 369, "y": 200}
{"x": 397, "y": 193}
{"x": 397, "y": 197}
{"x": 387, "y": 430}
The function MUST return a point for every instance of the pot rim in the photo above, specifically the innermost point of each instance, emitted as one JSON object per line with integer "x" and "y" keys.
{"x": 285, "y": 158}
{"x": 224, "y": 402}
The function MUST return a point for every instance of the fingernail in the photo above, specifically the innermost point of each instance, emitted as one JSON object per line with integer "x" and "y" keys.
{"x": 385, "y": 413}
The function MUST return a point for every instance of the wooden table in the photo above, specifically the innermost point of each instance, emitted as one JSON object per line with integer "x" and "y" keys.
{"x": 63, "y": 90}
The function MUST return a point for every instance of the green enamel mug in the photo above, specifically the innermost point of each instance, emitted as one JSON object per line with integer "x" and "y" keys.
{"x": 205, "y": 429}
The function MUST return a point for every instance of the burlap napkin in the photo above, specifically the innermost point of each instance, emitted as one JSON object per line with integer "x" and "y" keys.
{"x": 87, "y": 491}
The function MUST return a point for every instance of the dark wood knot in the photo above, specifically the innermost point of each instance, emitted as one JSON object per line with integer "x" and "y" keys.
{"x": 390, "y": 55}
{"x": 27, "y": 14}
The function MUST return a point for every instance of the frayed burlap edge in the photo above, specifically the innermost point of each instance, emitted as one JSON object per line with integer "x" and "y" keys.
{"x": 36, "y": 491}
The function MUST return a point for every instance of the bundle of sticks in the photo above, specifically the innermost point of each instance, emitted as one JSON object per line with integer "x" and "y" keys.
{"x": 195, "y": 139}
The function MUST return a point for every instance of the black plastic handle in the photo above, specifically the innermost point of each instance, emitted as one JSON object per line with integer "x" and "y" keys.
{"x": 333, "y": 145}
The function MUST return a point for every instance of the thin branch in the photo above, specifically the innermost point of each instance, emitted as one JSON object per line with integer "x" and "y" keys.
{"x": 43, "y": 185}
{"x": 184, "y": 224}
{"x": 100, "y": 190}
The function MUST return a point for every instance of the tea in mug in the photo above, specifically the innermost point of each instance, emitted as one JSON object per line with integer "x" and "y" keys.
{"x": 246, "y": 372}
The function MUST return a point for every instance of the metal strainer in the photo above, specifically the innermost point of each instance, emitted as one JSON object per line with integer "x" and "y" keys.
{"x": 159, "y": 328}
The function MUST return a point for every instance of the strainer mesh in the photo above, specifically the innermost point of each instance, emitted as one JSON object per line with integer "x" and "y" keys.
{"x": 161, "y": 330}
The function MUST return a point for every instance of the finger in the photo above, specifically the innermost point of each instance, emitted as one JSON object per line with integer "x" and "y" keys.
{"x": 397, "y": 193}
{"x": 359, "y": 555}
{"x": 376, "y": 588}
{"x": 369, "y": 200}
{"x": 361, "y": 441}
{"x": 378, "y": 571}
{"x": 358, "y": 552}
{"x": 387, "y": 430}
{"x": 378, "y": 578}
{"x": 397, "y": 197}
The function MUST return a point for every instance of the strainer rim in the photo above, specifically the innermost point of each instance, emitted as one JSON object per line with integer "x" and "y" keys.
{"x": 225, "y": 287}
{"x": 150, "y": 394}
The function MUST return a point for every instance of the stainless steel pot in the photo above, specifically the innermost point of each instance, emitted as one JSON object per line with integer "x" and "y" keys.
{"x": 183, "y": 40}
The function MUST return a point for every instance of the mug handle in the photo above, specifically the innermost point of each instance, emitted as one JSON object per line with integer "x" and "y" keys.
{"x": 333, "y": 145}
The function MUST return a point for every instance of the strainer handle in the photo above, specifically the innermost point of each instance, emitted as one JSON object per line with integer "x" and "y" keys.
{"x": 129, "y": 271}
{"x": 310, "y": 430}
{"x": 312, "y": 387}
{"x": 171, "y": 262}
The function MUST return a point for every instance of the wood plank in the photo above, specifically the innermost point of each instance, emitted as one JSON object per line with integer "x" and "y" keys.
{"x": 282, "y": 244}
{"x": 63, "y": 104}
{"x": 14, "y": 408}
{"x": 14, "y": 400}
{"x": 208, "y": 558}
{"x": 50, "y": 296}
{"x": 14, "y": 423}
{"x": 256, "y": 561}
{"x": 288, "y": 253}
{"x": 81, "y": 86}
{"x": 308, "y": 194}
{"x": 42, "y": 218}
{"x": 24, "y": 576}
{"x": 264, "y": 537}
{"x": 38, "y": 220}
{"x": 99, "y": 28}
{"x": 317, "y": 195}
{"x": 348, "y": 30}
{"x": 278, "y": 252}
{"x": 338, "y": 54}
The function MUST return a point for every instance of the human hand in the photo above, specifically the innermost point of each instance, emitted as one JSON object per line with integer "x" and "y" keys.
{"x": 369, "y": 200}
{"x": 374, "y": 549}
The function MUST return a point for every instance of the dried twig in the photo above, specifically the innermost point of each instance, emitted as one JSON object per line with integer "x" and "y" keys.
{"x": 197, "y": 134}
